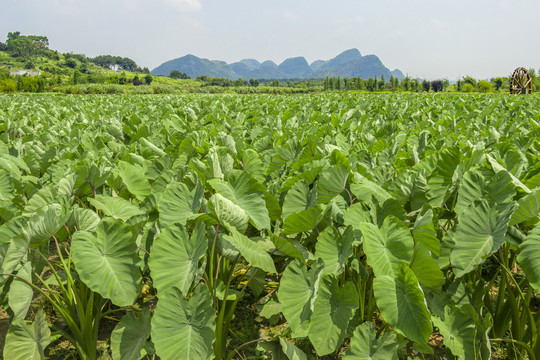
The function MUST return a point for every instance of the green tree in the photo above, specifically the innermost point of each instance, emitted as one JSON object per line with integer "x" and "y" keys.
{"x": 31, "y": 45}
{"x": 382, "y": 83}
{"x": 71, "y": 63}
{"x": 136, "y": 81}
{"x": 437, "y": 85}
{"x": 76, "y": 77}
{"x": 339, "y": 83}
{"x": 371, "y": 84}
{"x": 406, "y": 83}
{"x": 175, "y": 74}
{"x": 426, "y": 85}
{"x": 534, "y": 78}
{"x": 467, "y": 87}
{"x": 498, "y": 83}
{"x": 8, "y": 86}
{"x": 122, "y": 79}
{"x": 254, "y": 82}
{"x": 148, "y": 79}
{"x": 415, "y": 85}
{"x": 469, "y": 80}
{"x": 484, "y": 86}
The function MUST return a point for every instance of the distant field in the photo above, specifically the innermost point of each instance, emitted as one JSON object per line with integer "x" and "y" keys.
{"x": 322, "y": 226}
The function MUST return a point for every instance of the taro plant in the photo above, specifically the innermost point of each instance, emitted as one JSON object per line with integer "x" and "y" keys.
{"x": 362, "y": 226}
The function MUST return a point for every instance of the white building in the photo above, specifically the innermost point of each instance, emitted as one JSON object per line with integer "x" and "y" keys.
{"x": 24, "y": 72}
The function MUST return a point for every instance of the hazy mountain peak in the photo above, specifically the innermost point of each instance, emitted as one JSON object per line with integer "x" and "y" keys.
{"x": 351, "y": 54}
{"x": 295, "y": 67}
{"x": 349, "y": 63}
{"x": 269, "y": 63}
{"x": 251, "y": 63}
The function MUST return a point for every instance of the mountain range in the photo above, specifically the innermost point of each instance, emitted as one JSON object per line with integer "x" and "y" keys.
{"x": 349, "y": 63}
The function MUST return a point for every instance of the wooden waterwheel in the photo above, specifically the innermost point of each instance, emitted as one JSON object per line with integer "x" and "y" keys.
{"x": 520, "y": 82}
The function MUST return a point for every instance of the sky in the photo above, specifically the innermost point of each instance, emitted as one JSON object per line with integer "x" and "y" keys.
{"x": 423, "y": 38}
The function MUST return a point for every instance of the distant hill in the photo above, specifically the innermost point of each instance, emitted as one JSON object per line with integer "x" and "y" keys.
{"x": 194, "y": 66}
{"x": 296, "y": 67}
{"x": 349, "y": 63}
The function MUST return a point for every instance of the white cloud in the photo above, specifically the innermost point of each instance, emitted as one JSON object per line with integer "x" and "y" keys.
{"x": 287, "y": 15}
{"x": 184, "y": 5}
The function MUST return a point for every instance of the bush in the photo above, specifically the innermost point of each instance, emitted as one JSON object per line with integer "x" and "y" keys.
{"x": 484, "y": 86}
{"x": 8, "y": 86}
{"x": 468, "y": 88}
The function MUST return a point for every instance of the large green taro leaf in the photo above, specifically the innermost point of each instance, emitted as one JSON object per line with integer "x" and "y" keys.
{"x": 474, "y": 186}
{"x": 355, "y": 215}
{"x": 442, "y": 180}
{"x": 365, "y": 190}
{"x": 7, "y": 192}
{"x": 27, "y": 341}
{"x": 424, "y": 233}
{"x": 135, "y": 179}
{"x": 458, "y": 330}
{"x": 290, "y": 248}
{"x": 43, "y": 197}
{"x": 129, "y": 335}
{"x": 365, "y": 346}
{"x": 402, "y": 306}
{"x": 227, "y": 211}
{"x": 303, "y": 221}
{"x": 250, "y": 250}
{"x": 470, "y": 190}
{"x": 388, "y": 247}
{"x": 528, "y": 209}
{"x": 174, "y": 259}
{"x": 107, "y": 262}
{"x": 245, "y": 193}
{"x": 115, "y": 207}
{"x": 332, "y": 182}
{"x": 85, "y": 219}
{"x": 291, "y": 351}
{"x": 297, "y": 293}
{"x": 425, "y": 267}
{"x": 332, "y": 311}
{"x": 497, "y": 168}
{"x": 529, "y": 257}
{"x": 480, "y": 233}
{"x": 298, "y": 198}
{"x": 20, "y": 293}
{"x": 45, "y": 223}
{"x": 253, "y": 165}
{"x": 13, "y": 246}
{"x": 184, "y": 329}
{"x": 178, "y": 203}
{"x": 334, "y": 249}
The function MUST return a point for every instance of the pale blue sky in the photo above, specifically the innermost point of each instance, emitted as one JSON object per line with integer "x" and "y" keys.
{"x": 424, "y": 38}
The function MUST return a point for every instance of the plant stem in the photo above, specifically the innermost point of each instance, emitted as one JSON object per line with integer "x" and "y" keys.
{"x": 522, "y": 344}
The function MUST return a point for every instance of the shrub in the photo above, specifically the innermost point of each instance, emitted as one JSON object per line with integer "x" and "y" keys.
{"x": 8, "y": 86}
{"x": 484, "y": 86}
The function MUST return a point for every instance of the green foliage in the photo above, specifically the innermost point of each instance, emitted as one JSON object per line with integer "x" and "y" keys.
{"x": 484, "y": 86}
{"x": 358, "y": 224}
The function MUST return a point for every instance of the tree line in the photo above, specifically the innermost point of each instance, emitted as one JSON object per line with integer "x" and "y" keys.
{"x": 464, "y": 84}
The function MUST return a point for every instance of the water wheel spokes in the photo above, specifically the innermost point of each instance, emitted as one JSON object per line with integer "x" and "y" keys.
{"x": 520, "y": 82}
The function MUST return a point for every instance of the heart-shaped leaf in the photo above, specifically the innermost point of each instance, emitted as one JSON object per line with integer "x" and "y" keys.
{"x": 107, "y": 262}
